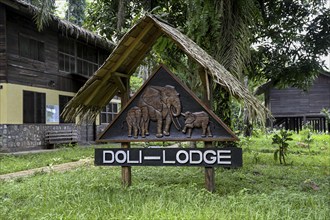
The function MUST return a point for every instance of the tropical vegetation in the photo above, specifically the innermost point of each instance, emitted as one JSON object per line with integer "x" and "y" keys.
{"x": 261, "y": 189}
{"x": 286, "y": 39}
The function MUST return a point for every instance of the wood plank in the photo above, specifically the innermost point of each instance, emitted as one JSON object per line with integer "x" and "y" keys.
{"x": 126, "y": 172}
{"x": 209, "y": 174}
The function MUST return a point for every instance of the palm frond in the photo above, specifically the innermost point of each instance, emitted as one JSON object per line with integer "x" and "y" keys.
{"x": 44, "y": 14}
{"x": 234, "y": 47}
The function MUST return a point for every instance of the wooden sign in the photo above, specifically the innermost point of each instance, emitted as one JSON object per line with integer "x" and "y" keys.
{"x": 210, "y": 157}
{"x": 164, "y": 109}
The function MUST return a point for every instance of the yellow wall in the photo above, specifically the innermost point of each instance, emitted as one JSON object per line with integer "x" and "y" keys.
{"x": 11, "y": 101}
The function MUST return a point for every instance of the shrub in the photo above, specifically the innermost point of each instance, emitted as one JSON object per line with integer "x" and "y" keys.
{"x": 281, "y": 139}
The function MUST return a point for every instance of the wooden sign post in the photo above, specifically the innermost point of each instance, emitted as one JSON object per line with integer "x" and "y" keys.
{"x": 164, "y": 109}
{"x": 126, "y": 174}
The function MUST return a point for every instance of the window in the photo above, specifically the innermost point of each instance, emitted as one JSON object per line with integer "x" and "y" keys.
{"x": 63, "y": 100}
{"x": 34, "y": 107}
{"x": 66, "y": 55}
{"x": 109, "y": 112}
{"x": 31, "y": 48}
{"x": 75, "y": 57}
{"x": 87, "y": 59}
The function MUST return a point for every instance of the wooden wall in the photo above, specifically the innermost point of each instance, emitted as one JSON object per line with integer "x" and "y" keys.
{"x": 295, "y": 102}
{"x": 3, "y": 61}
{"x": 31, "y": 72}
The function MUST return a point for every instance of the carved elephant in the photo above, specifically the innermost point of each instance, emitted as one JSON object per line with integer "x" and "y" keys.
{"x": 134, "y": 119}
{"x": 197, "y": 120}
{"x": 159, "y": 104}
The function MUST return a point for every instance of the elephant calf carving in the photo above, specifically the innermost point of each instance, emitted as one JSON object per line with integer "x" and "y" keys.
{"x": 197, "y": 120}
{"x": 134, "y": 119}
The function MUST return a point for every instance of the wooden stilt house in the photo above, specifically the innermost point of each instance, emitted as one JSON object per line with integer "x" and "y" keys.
{"x": 293, "y": 108}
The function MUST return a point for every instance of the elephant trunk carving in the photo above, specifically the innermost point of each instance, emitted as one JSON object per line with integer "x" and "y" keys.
{"x": 159, "y": 104}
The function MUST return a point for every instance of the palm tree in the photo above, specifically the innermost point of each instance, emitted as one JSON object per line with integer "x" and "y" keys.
{"x": 223, "y": 29}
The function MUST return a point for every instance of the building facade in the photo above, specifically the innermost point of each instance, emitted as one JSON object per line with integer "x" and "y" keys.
{"x": 40, "y": 72}
{"x": 292, "y": 108}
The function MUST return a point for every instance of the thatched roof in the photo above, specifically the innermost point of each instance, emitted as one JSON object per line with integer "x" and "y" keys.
{"x": 125, "y": 58}
{"x": 66, "y": 28}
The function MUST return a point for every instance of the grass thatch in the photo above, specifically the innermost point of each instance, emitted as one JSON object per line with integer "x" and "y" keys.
{"x": 131, "y": 50}
{"x": 67, "y": 28}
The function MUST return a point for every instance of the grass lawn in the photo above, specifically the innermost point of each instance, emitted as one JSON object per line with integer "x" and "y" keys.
{"x": 14, "y": 163}
{"x": 261, "y": 189}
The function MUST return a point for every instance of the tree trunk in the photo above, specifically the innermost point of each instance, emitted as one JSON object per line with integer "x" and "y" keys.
{"x": 248, "y": 127}
{"x": 120, "y": 15}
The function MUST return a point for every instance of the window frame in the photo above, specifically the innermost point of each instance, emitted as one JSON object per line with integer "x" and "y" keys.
{"x": 108, "y": 112}
{"x": 67, "y": 55}
{"x": 40, "y": 48}
{"x": 79, "y": 62}
{"x": 35, "y": 109}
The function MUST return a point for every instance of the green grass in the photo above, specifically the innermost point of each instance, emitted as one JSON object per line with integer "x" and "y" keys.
{"x": 14, "y": 163}
{"x": 261, "y": 189}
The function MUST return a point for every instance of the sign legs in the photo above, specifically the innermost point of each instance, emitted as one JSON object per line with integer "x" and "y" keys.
{"x": 209, "y": 173}
{"x": 126, "y": 175}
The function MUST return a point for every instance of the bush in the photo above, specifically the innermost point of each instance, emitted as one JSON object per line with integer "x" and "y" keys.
{"x": 281, "y": 140}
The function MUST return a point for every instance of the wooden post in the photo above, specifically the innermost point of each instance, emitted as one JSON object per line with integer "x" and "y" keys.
{"x": 209, "y": 172}
{"x": 207, "y": 97}
{"x": 126, "y": 176}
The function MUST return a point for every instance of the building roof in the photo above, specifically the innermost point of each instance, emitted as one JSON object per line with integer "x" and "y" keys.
{"x": 131, "y": 50}
{"x": 67, "y": 28}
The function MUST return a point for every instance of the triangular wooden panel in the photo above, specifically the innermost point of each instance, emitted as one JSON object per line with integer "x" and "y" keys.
{"x": 149, "y": 106}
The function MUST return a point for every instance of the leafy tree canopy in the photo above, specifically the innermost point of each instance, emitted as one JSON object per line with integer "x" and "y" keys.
{"x": 290, "y": 37}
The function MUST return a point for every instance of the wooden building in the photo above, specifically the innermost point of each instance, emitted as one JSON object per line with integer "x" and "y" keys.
{"x": 40, "y": 72}
{"x": 292, "y": 108}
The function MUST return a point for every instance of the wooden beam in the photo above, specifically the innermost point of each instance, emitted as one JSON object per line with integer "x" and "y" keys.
{"x": 119, "y": 62}
{"x": 133, "y": 65}
{"x": 121, "y": 75}
{"x": 132, "y": 46}
{"x": 120, "y": 84}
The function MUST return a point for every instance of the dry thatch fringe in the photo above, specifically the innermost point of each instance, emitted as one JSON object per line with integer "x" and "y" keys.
{"x": 67, "y": 26}
{"x": 220, "y": 75}
{"x": 89, "y": 111}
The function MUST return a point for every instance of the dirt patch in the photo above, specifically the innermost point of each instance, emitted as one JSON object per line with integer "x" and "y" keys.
{"x": 57, "y": 168}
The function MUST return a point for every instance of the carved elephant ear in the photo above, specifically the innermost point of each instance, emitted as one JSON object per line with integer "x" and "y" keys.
{"x": 190, "y": 118}
{"x": 152, "y": 97}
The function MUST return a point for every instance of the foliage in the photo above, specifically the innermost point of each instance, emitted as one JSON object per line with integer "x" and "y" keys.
{"x": 76, "y": 11}
{"x": 281, "y": 139}
{"x": 326, "y": 113}
{"x": 307, "y": 135}
{"x": 46, "y": 9}
{"x": 135, "y": 84}
{"x": 290, "y": 38}
{"x": 115, "y": 17}
{"x": 258, "y": 190}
